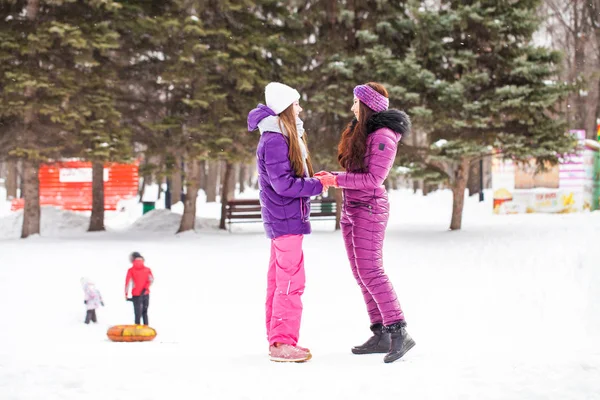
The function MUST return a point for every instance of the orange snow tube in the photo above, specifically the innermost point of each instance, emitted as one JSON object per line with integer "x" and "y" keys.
{"x": 131, "y": 333}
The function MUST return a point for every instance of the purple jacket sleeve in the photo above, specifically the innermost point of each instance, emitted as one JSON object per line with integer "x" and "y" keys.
{"x": 281, "y": 175}
{"x": 382, "y": 150}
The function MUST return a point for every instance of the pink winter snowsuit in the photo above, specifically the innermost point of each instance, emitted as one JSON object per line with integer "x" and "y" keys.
{"x": 365, "y": 212}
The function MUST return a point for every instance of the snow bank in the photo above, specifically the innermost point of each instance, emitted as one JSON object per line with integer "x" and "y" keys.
{"x": 166, "y": 221}
{"x": 60, "y": 223}
{"x": 54, "y": 222}
{"x": 4, "y": 205}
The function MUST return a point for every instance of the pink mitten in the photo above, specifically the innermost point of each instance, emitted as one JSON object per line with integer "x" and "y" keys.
{"x": 321, "y": 173}
{"x": 328, "y": 180}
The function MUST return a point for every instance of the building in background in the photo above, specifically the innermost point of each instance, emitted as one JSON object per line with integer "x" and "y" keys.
{"x": 571, "y": 186}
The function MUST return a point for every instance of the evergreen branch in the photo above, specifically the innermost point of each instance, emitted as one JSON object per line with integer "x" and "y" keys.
{"x": 415, "y": 149}
{"x": 483, "y": 156}
{"x": 442, "y": 168}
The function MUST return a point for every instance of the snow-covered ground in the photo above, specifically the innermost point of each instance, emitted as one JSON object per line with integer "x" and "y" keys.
{"x": 508, "y": 308}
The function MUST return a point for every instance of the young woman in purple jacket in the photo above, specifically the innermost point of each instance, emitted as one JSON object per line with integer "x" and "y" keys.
{"x": 286, "y": 184}
{"x": 367, "y": 151}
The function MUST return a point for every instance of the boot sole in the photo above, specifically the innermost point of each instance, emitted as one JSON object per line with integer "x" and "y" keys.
{"x": 361, "y": 351}
{"x": 396, "y": 356}
{"x": 295, "y": 360}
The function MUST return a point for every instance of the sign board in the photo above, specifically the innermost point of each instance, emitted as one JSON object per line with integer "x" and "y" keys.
{"x": 79, "y": 175}
{"x": 563, "y": 188}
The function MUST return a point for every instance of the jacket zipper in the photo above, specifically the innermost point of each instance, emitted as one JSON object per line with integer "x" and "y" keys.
{"x": 361, "y": 204}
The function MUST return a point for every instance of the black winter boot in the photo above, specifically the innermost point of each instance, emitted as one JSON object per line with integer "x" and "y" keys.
{"x": 401, "y": 342}
{"x": 378, "y": 343}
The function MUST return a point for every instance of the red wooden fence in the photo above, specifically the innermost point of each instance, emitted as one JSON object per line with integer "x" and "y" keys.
{"x": 68, "y": 185}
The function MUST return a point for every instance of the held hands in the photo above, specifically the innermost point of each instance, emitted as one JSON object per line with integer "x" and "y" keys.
{"x": 327, "y": 178}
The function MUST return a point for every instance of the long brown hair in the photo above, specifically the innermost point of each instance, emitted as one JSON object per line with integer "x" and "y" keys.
{"x": 353, "y": 144}
{"x": 288, "y": 120}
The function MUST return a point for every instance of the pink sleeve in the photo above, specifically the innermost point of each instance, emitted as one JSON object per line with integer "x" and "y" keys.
{"x": 382, "y": 151}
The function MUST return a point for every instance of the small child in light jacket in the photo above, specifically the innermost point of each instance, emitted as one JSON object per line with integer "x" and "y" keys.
{"x": 92, "y": 299}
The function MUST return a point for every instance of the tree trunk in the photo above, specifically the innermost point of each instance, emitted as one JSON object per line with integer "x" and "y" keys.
{"x": 425, "y": 188}
{"x": 212, "y": 181}
{"x": 473, "y": 181}
{"x": 580, "y": 100}
{"x": 203, "y": 175}
{"x": 21, "y": 172}
{"x": 31, "y": 193}
{"x": 188, "y": 219}
{"x": 146, "y": 179}
{"x": 225, "y": 193}
{"x": 11, "y": 180}
{"x": 232, "y": 181}
{"x": 30, "y": 182}
{"x": 142, "y": 189}
{"x": 386, "y": 183}
{"x": 97, "y": 218}
{"x": 159, "y": 182}
{"x": 338, "y": 208}
{"x": 176, "y": 181}
{"x": 221, "y": 180}
{"x": 459, "y": 184}
{"x": 251, "y": 171}
{"x": 593, "y": 13}
{"x": 243, "y": 177}
{"x": 580, "y": 39}
{"x": 593, "y": 105}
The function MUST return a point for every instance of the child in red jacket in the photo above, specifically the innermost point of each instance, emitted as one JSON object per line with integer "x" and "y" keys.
{"x": 139, "y": 277}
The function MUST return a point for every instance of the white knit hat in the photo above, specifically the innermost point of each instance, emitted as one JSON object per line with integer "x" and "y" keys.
{"x": 279, "y": 96}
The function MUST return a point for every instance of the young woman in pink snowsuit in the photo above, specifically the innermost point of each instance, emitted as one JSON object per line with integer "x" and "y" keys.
{"x": 367, "y": 151}
{"x": 286, "y": 184}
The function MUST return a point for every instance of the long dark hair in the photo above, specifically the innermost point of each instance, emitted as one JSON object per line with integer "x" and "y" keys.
{"x": 353, "y": 144}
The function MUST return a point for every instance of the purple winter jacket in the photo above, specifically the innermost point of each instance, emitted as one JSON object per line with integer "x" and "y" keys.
{"x": 284, "y": 197}
{"x": 385, "y": 130}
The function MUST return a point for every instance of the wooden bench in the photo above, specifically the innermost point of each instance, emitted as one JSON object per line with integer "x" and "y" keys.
{"x": 248, "y": 211}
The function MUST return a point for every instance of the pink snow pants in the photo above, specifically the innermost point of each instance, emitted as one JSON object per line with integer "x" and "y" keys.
{"x": 285, "y": 285}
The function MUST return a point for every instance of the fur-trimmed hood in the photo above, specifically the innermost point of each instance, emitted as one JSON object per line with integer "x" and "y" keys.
{"x": 396, "y": 120}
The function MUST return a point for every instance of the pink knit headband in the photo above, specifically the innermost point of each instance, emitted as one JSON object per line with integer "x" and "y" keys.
{"x": 372, "y": 98}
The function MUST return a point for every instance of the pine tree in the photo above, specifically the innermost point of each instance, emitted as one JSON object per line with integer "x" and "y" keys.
{"x": 339, "y": 42}
{"x": 99, "y": 135}
{"x": 57, "y": 88}
{"x": 192, "y": 70}
{"x": 36, "y": 86}
{"x": 247, "y": 38}
{"x": 339, "y": 46}
{"x": 478, "y": 84}
{"x": 142, "y": 95}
